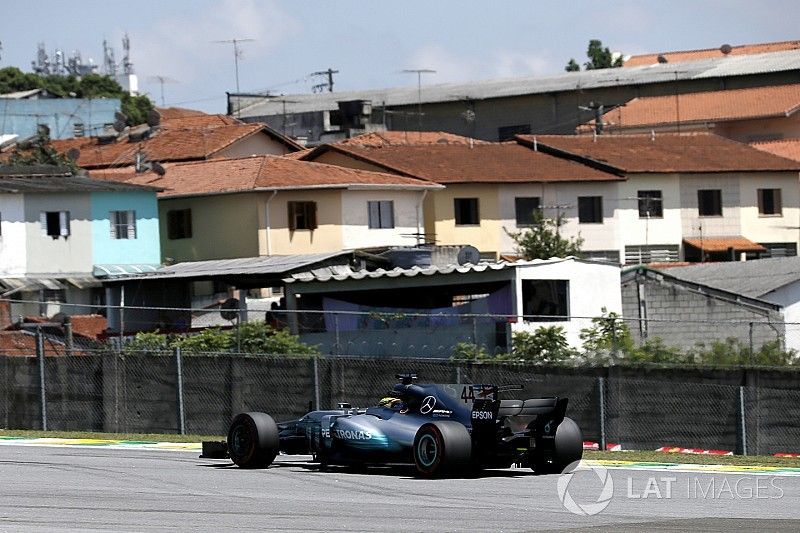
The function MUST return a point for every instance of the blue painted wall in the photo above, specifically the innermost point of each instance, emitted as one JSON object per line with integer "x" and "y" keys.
{"x": 145, "y": 248}
{"x": 59, "y": 114}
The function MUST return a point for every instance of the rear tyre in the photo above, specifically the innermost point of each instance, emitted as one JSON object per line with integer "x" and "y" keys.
{"x": 253, "y": 440}
{"x": 441, "y": 449}
{"x": 567, "y": 450}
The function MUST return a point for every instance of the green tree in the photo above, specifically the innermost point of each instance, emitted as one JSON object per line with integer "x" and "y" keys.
{"x": 546, "y": 345}
{"x": 542, "y": 239}
{"x": 40, "y": 152}
{"x": 207, "y": 341}
{"x": 13, "y": 79}
{"x": 599, "y": 57}
{"x": 260, "y": 338}
{"x": 607, "y": 339}
{"x": 468, "y": 351}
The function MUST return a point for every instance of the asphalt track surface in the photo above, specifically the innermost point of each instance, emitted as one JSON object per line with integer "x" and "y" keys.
{"x": 95, "y": 489}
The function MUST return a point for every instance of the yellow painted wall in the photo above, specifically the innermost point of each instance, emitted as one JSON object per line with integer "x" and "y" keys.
{"x": 223, "y": 226}
{"x": 326, "y": 238}
{"x": 439, "y": 208}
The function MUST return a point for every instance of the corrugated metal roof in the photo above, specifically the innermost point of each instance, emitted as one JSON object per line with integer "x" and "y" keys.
{"x": 340, "y": 274}
{"x": 115, "y": 271}
{"x": 15, "y": 183}
{"x": 264, "y": 265}
{"x": 498, "y": 88}
{"x": 755, "y": 279}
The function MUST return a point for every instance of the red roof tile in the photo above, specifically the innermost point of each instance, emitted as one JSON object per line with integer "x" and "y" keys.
{"x": 483, "y": 163}
{"x": 709, "y": 53}
{"x": 723, "y": 244}
{"x": 396, "y": 138}
{"x": 713, "y": 106}
{"x": 221, "y": 176}
{"x": 167, "y": 113}
{"x": 665, "y": 152}
{"x": 788, "y": 148}
{"x": 168, "y": 144}
{"x": 200, "y": 121}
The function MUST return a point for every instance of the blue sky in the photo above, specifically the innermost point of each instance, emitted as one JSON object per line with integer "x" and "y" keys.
{"x": 371, "y": 42}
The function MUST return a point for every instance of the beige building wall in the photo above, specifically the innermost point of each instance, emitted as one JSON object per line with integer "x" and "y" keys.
{"x": 279, "y": 240}
{"x": 771, "y": 228}
{"x": 258, "y": 144}
{"x": 223, "y": 227}
{"x": 484, "y": 236}
{"x": 71, "y": 254}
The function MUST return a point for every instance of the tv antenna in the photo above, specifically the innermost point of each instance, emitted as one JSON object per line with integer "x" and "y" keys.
{"x": 161, "y": 80}
{"x": 419, "y": 72}
{"x": 320, "y": 87}
{"x": 237, "y": 53}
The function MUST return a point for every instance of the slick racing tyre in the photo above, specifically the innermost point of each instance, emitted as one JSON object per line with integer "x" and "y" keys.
{"x": 567, "y": 449}
{"x": 253, "y": 440}
{"x": 442, "y": 448}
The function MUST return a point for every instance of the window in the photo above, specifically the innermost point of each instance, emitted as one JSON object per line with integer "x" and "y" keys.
{"x": 651, "y": 253}
{"x": 302, "y": 215}
{"x": 525, "y": 208}
{"x": 650, "y": 204}
{"x": 709, "y": 203}
{"x": 545, "y": 300}
{"x": 769, "y": 202}
{"x": 506, "y": 133}
{"x": 381, "y": 214}
{"x": 179, "y": 224}
{"x": 123, "y": 224}
{"x": 78, "y": 130}
{"x": 54, "y": 224}
{"x": 466, "y": 211}
{"x": 590, "y": 209}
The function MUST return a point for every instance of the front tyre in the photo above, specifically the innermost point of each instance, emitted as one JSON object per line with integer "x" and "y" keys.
{"x": 253, "y": 440}
{"x": 442, "y": 448}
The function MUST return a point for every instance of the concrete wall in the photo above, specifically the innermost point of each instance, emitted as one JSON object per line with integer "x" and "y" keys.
{"x": 695, "y": 407}
{"x": 408, "y": 219}
{"x": 671, "y": 308}
{"x": 327, "y": 237}
{"x": 13, "y": 242}
{"x": 145, "y": 248}
{"x": 71, "y": 254}
{"x": 484, "y": 236}
{"x": 257, "y": 144}
{"x": 59, "y": 114}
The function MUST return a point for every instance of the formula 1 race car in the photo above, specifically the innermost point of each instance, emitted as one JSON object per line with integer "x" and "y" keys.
{"x": 443, "y": 430}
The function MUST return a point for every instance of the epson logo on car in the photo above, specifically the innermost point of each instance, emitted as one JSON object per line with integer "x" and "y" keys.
{"x": 352, "y": 435}
{"x": 482, "y": 415}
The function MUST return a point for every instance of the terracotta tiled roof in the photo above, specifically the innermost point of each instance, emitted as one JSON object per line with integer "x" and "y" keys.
{"x": 665, "y": 152}
{"x": 168, "y": 144}
{"x": 300, "y": 154}
{"x": 713, "y": 106}
{"x": 167, "y": 113}
{"x": 395, "y": 138}
{"x": 707, "y": 53}
{"x": 483, "y": 163}
{"x": 200, "y": 121}
{"x": 788, "y": 148}
{"x": 221, "y": 176}
{"x": 723, "y": 244}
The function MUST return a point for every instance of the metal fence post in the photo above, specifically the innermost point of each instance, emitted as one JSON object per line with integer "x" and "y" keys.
{"x": 316, "y": 382}
{"x": 42, "y": 384}
{"x": 179, "y": 391}
{"x": 336, "y": 346}
{"x": 752, "y": 344}
{"x": 601, "y": 412}
{"x": 742, "y": 421}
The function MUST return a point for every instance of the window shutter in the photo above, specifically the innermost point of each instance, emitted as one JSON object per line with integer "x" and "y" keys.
{"x": 291, "y": 208}
{"x": 387, "y": 214}
{"x": 188, "y": 227}
{"x": 761, "y": 201}
{"x": 131, "y": 215}
{"x": 112, "y": 222}
{"x": 777, "y": 202}
{"x": 312, "y": 215}
{"x": 63, "y": 219}
{"x": 374, "y": 214}
{"x": 43, "y": 222}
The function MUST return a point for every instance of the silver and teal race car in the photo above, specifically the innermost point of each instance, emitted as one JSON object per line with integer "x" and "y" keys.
{"x": 442, "y": 429}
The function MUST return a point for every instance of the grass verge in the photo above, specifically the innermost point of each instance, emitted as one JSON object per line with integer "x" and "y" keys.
{"x": 149, "y": 437}
{"x": 689, "y": 458}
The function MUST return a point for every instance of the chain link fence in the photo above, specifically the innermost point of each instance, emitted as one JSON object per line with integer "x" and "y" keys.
{"x": 754, "y": 410}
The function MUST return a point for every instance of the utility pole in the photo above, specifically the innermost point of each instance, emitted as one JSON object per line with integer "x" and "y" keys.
{"x": 599, "y": 111}
{"x": 236, "y": 55}
{"x": 419, "y": 72}
{"x": 322, "y": 86}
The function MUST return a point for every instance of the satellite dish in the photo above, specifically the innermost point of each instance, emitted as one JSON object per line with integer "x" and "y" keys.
{"x": 158, "y": 168}
{"x": 726, "y": 49}
{"x": 73, "y": 154}
{"x": 153, "y": 118}
{"x": 468, "y": 254}
{"x": 230, "y": 308}
{"x": 120, "y": 121}
{"x": 59, "y": 318}
{"x": 662, "y": 59}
